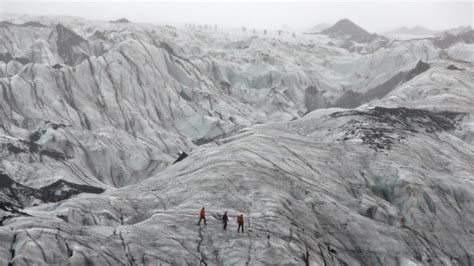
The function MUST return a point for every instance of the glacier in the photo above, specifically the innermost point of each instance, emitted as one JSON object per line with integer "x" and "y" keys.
{"x": 339, "y": 148}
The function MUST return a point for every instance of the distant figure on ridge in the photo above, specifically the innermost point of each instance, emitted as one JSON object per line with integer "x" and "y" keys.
{"x": 202, "y": 216}
{"x": 181, "y": 156}
{"x": 240, "y": 222}
{"x": 225, "y": 219}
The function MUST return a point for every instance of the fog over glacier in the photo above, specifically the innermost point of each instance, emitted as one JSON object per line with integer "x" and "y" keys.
{"x": 343, "y": 132}
{"x": 374, "y": 16}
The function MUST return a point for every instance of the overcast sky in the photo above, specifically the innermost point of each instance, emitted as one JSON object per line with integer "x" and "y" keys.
{"x": 373, "y": 16}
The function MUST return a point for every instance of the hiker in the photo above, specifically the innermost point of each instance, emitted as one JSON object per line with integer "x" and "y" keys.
{"x": 181, "y": 156}
{"x": 225, "y": 219}
{"x": 240, "y": 222}
{"x": 202, "y": 216}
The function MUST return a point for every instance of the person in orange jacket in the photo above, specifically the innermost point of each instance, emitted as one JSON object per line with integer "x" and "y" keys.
{"x": 240, "y": 222}
{"x": 202, "y": 216}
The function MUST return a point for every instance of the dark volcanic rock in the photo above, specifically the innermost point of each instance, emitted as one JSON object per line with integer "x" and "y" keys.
{"x": 57, "y": 66}
{"x": 57, "y": 155}
{"x": 14, "y": 149}
{"x": 453, "y": 67}
{"x": 390, "y": 125}
{"x": 61, "y": 190}
{"x": 14, "y": 196}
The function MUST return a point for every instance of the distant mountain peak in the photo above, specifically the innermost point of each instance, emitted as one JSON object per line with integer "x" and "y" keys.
{"x": 120, "y": 20}
{"x": 416, "y": 30}
{"x": 346, "y": 27}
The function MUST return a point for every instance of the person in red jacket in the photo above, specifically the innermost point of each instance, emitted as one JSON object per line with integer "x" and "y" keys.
{"x": 202, "y": 216}
{"x": 240, "y": 222}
